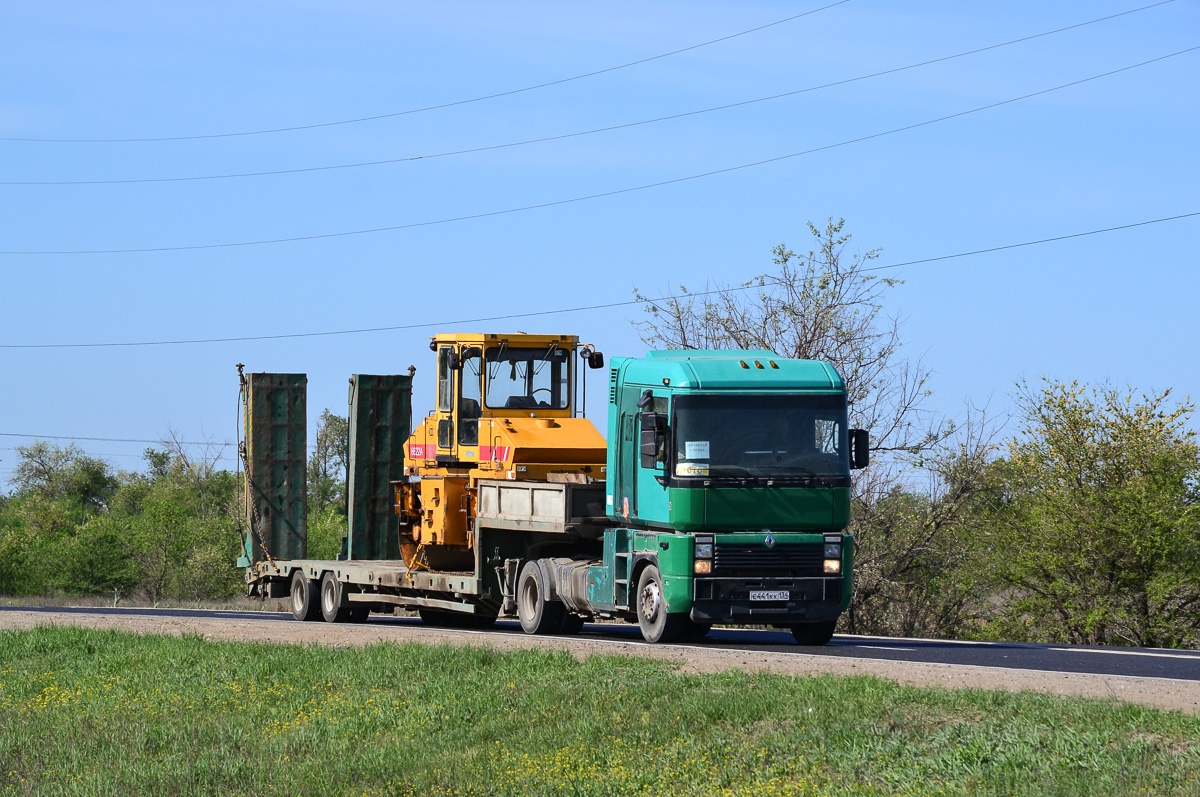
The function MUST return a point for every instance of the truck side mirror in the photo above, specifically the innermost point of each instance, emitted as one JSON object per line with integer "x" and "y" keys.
{"x": 596, "y": 360}
{"x": 653, "y": 439}
{"x": 860, "y": 448}
{"x": 453, "y": 361}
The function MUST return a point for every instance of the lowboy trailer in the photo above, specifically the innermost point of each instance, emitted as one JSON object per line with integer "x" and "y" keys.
{"x": 722, "y": 496}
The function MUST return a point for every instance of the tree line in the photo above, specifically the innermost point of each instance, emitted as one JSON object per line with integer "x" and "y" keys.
{"x": 1076, "y": 520}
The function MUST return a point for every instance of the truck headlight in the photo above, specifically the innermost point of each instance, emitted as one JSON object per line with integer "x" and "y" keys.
{"x": 832, "y": 565}
{"x": 704, "y": 550}
{"x": 833, "y": 550}
{"x": 703, "y": 565}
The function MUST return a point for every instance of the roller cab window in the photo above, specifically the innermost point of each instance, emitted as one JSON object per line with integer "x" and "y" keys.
{"x": 528, "y": 378}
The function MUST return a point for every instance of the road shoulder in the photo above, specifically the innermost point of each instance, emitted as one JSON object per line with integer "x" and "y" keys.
{"x": 1160, "y": 693}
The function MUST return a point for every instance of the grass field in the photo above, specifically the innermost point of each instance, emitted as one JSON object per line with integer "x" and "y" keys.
{"x": 90, "y": 712}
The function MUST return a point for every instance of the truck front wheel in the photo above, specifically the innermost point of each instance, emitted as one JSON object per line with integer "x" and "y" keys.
{"x": 538, "y": 615}
{"x": 305, "y": 605}
{"x": 814, "y": 633}
{"x": 657, "y": 625}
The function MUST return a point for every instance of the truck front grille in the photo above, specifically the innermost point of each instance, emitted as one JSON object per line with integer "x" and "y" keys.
{"x": 782, "y": 561}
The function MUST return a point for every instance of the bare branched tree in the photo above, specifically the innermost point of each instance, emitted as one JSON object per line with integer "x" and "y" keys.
{"x": 822, "y": 305}
{"x": 196, "y": 464}
{"x": 827, "y": 304}
{"x": 200, "y": 462}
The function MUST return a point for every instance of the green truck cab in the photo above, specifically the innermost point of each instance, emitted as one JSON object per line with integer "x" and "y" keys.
{"x": 729, "y": 482}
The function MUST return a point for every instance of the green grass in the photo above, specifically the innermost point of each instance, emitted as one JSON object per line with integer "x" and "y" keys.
{"x": 90, "y": 712}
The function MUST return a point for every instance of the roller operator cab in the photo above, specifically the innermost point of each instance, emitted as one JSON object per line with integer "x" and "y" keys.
{"x": 505, "y": 410}
{"x": 729, "y": 484}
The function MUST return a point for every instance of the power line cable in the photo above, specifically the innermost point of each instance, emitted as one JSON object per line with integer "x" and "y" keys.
{"x": 588, "y": 197}
{"x": 534, "y": 314}
{"x": 439, "y": 106}
{"x": 577, "y": 134}
{"x": 1034, "y": 243}
{"x": 115, "y": 439}
{"x": 222, "y": 443}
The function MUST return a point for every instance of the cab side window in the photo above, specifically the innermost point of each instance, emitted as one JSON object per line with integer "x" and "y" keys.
{"x": 445, "y": 427}
{"x": 445, "y": 380}
{"x": 470, "y": 382}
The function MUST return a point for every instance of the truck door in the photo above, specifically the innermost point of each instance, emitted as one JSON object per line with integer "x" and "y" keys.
{"x": 651, "y": 487}
{"x": 627, "y": 450}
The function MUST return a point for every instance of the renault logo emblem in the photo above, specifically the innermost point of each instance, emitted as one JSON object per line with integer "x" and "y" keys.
{"x": 769, "y": 541}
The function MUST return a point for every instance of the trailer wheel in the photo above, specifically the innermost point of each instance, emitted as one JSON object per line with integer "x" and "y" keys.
{"x": 331, "y": 596}
{"x": 657, "y": 625}
{"x": 359, "y": 614}
{"x": 814, "y": 633}
{"x": 538, "y": 615}
{"x": 305, "y": 605}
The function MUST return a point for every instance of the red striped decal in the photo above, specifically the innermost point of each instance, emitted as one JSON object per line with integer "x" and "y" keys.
{"x": 494, "y": 453}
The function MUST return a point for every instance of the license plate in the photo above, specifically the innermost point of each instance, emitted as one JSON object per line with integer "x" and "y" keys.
{"x": 770, "y": 595}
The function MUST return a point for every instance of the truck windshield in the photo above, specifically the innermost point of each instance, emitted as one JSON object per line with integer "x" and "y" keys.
{"x": 528, "y": 379}
{"x": 775, "y": 436}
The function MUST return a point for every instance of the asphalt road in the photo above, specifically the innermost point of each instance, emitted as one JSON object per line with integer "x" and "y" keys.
{"x": 1133, "y": 662}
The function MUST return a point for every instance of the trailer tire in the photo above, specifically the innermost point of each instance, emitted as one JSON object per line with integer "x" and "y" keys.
{"x": 537, "y": 615}
{"x": 815, "y": 634}
{"x": 359, "y": 614}
{"x": 656, "y": 623}
{"x": 331, "y": 598}
{"x": 695, "y": 630}
{"x": 305, "y": 605}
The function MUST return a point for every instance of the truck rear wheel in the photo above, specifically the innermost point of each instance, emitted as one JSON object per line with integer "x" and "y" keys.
{"x": 814, "y": 633}
{"x": 304, "y": 597}
{"x": 657, "y": 625}
{"x": 538, "y": 615}
{"x": 331, "y": 598}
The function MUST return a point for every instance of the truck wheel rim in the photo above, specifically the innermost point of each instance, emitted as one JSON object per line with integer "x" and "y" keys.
{"x": 297, "y": 600}
{"x": 529, "y": 597}
{"x": 651, "y": 598}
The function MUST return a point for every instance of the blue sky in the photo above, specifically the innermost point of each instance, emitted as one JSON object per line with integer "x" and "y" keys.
{"x": 1113, "y": 151}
